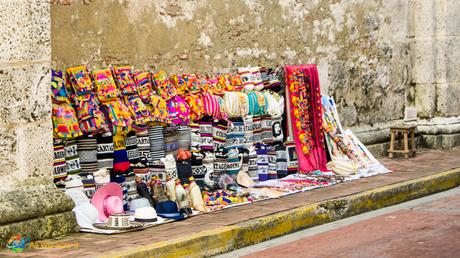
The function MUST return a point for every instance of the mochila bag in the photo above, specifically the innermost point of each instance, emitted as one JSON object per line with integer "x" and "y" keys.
{"x": 119, "y": 115}
{"x": 179, "y": 111}
{"x": 164, "y": 86}
{"x": 144, "y": 85}
{"x": 65, "y": 122}
{"x": 196, "y": 106}
{"x": 58, "y": 89}
{"x": 80, "y": 80}
{"x": 160, "y": 109}
{"x": 124, "y": 79}
{"x": 106, "y": 89}
{"x": 90, "y": 117}
{"x": 139, "y": 110}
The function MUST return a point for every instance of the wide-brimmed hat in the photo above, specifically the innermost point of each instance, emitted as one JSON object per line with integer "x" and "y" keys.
{"x": 85, "y": 212}
{"x": 138, "y": 203}
{"x": 169, "y": 210}
{"x": 145, "y": 214}
{"x": 108, "y": 200}
{"x": 77, "y": 195}
{"x": 74, "y": 181}
{"x": 86, "y": 215}
{"x": 119, "y": 222}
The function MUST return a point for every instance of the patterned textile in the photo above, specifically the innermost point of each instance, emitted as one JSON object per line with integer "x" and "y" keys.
{"x": 219, "y": 135}
{"x": 207, "y": 143}
{"x": 306, "y": 116}
{"x": 281, "y": 161}
{"x": 157, "y": 143}
{"x": 132, "y": 148}
{"x": 71, "y": 158}
{"x": 120, "y": 155}
{"x": 87, "y": 150}
{"x": 105, "y": 151}
{"x": 184, "y": 137}
{"x": 143, "y": 144}
{"x": 235, "y": 135}
{"x": 171, "y": 141}
{"x": 262, "y": 161}
{"x": 59, "y": 163}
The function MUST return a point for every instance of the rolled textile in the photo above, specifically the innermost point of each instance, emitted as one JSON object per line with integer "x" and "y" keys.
{"x": 59, "y": 163}
{"x": 219, "y": 135}
{"x": 184, "y": 137}
{"x": 157, "y": 143}
{"x": 71, "y": 158}
{"x": 207, "y": 143}
{"x": 87, "y": 151}
{"x": 132, "y": 149}
{"x": 105, "y": 150}
{"x": 120, "y": 155}
{"x": 143, "y": 144}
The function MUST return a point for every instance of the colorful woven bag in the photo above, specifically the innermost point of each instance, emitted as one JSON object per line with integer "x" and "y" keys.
{"x": 139, "y": 110}
{"x": 164, "y": 86}
{"x": 159, "y": 109}
{"x": 195, "y": 103}
{"x": 106, "y": 89}
{"x": 179, "y": 111}
{"x": 65, "y": 122}
{"x": 144, "y": 86}
{"x": 80, "y": 80}
{"x": 124, "y": 78}
{"x": 90, "y": 117}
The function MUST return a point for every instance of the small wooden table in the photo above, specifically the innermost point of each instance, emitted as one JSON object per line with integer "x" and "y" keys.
{"x": 404, "y": 130}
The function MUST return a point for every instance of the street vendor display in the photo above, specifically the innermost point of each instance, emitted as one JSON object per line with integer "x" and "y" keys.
{"x": 149, "y": 147}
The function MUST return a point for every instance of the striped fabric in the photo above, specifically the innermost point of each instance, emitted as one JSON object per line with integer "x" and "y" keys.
{"x": 120, "y": 155}
{"x": 87, "y": 150}
{"x": 207, "y": 143}
{"x": 143, "y": 144}
{"x": 59, "y": 163}
{"x": 157, "y": 143}
{"x": 131, "y": 148}
{"x": 105, "y": 151}
{"x": 281, "y": 160}
{"x": 219, "y": 135}
{"x": 71, "y": 158}
{"x": 235, "y": 135}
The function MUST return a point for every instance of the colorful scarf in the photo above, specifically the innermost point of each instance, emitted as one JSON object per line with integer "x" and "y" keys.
{"x": 306, "y": 116}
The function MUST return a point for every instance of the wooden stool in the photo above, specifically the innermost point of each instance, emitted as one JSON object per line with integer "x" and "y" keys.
{"x": 403, "y": 130}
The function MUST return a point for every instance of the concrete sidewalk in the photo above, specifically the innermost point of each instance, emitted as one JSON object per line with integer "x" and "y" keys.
{"x": 225, "y": 230}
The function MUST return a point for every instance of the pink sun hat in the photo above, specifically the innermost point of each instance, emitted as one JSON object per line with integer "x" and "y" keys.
{"x": 108, "y": 200}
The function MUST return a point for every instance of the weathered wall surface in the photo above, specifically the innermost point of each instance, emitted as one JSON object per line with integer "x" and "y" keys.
{"x": 361, "y": 47}
{"x": 382, "y": 60}
{"x": 25, "y": 106}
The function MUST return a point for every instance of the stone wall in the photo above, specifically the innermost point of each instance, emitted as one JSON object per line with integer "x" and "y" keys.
{"x": 30, "y": 204}
{"x": 25, "y": 106}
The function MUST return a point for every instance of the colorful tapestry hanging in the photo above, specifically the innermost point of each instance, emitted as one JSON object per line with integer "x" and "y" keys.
{"x": 306, "y": 116}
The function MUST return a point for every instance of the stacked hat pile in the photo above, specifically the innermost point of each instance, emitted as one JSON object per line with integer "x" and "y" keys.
{"x": 157, "y": 143}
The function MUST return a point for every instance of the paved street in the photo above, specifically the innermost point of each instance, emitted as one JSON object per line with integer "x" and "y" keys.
{"x": 426, "y": 227}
